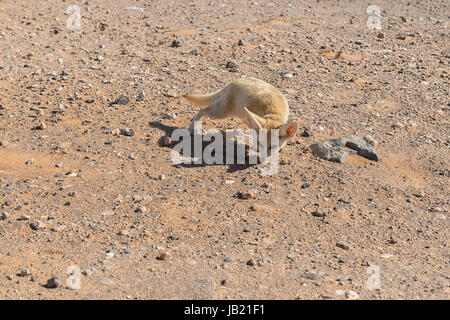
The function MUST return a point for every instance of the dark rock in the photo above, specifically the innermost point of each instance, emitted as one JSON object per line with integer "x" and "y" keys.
{"x": 126, "y": 132}
{"x": 121, "y": 100}
{"x": 53, "y": 283}
{"x": 306, "y": 185}
{"x": 175, "y": 44}
{"x": 333, "y": 149}
{"x": 306, "y": 133}
{"x": 343, "y": 245}
{"x": 251, "y": 262}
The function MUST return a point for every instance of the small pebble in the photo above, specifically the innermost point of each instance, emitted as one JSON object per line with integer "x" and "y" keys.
{"x": 37, "y": 225}
{"x": 163, "y": 256}
{"x": 24, "y": 272}
{"x": 321, "y": 212}
{"x": 53, "y": 283}
{"x": 343, "y": 245}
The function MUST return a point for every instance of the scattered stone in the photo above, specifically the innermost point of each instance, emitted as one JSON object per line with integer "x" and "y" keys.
{"x": 123, "y": 233}
{"x": 162, "y": 177}
{"x": 343, "y": 245}
{"x": 249, "y": 194}
{"x": 53, "y": 283}
{"x": 171, "y": 93}
{"x": 109, "y": 255}
{"x": 24, "y": 272}
{"x": 141, "y": 209}
{"x": 392, "y": 241}
{"x": 37, "y": 225}
{"x": 126, "y": 132}
{"x": 4, "y": 215}
{"x": 24, "y": 217}
{"x": 398, "y": 125}
{"x": 227, "y": 260}
{"x": 313, "y": 276}
{"x": 251, "y": 262}
{"x": 175, "y": 44}
{"x": 41, "y": 126}
{"x": 30, "y": 161}
{"x": 306, "y": 133}
{"x": 321, "y": 212}
{"x": 306, "y": 185}
{"x": 121, "y": 100}
{"x": 332, "y": 149}
{"x": 163, "y": 256}
{"x": 231, "y": 66}
{"x": 420, "y": 194}
{"x": 141, "y": 96}
{"x": 287, "y": 75}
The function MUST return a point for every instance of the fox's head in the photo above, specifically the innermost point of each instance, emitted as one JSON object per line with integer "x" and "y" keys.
{"x": 285, "y": 130}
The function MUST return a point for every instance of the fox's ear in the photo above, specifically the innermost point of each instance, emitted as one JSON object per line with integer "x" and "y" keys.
{"x": 289, "y": 129}
{"x": 254, "y": 120}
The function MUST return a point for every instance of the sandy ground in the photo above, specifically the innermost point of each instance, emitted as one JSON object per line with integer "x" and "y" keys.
{"x": 116, "y": 212}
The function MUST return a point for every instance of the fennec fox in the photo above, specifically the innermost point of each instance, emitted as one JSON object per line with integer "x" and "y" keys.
{"x": 250, "y": 99}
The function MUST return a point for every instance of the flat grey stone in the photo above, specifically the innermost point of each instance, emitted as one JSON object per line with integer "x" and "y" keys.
{"x": 333, "y": 149}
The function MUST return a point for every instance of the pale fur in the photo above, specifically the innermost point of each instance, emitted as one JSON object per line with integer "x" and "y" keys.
{"x": 260, "y": 104}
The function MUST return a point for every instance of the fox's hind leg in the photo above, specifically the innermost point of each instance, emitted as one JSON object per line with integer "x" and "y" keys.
{"x": 217, "y": 110}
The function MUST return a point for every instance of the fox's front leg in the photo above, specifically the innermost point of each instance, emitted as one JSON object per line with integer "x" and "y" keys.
{"x": 197, "y": 117}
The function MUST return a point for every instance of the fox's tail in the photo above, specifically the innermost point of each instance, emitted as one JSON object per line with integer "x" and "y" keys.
{"x": 203, "y": 100}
